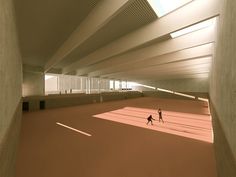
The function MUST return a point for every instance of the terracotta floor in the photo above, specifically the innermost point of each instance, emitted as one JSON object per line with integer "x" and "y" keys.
{"x": 121, "y": 144}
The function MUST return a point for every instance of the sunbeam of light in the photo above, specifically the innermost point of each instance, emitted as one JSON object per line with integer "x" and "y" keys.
{"x": 84, "y": 133}
{"x": 194, "y": 126}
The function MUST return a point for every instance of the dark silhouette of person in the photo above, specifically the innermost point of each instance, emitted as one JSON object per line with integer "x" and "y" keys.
{"x": 150, "y": 118}
{"x": 160, "y": 115}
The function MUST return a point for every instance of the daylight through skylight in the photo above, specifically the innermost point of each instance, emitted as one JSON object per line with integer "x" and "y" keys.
{"x": 198, "y": 26}
{"x": 162, "y": 7}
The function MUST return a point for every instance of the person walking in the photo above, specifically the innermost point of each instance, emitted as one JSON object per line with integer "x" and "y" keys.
{"x": 160, "y": 115}
{"x": 150, "y": 118}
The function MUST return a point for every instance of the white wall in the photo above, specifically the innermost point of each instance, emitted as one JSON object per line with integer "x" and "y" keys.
{"x": 223, "y": 91}
{"x": 10, "y": 89}
{"x": 67, "y": 82}
{"x": 33, "y": 83}
{"x": 51, "y": 84}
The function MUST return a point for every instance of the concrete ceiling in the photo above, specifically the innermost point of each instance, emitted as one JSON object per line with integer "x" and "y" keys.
{"x": 45, "y": 24}
{"x": 115, "y": 39}
{"x": 133, "y": 16}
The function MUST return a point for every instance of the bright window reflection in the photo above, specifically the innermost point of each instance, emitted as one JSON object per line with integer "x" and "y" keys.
{"x": 123, "y": 84}
{"x": 162, "y": 7}
{"x": 48, "y": 76}
{"x": 111, "y": 84}
{"x": 117, "y": 85}
{"x": 51, "y": 83}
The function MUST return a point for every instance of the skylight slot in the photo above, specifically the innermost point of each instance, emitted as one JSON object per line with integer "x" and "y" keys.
{"x": 185, "y": 95}
{"x": 163, "y": 7}
{"x": 203, "y": 99}
{"x": 134, "y": 84}
{"x": 190, "y": 29}
{"x": 165, "y": 90}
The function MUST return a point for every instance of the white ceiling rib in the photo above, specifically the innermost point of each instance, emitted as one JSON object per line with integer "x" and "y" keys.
{"x": 115, "y": 39}
{"x": 131, "y": 17}
{"x": 183, "y": 55}
{"x": 152, "y": 31}
{"x": 100, "y": 15}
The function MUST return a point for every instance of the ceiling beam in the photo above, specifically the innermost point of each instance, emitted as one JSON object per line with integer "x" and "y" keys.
{"x": 183, "y": 55}
{"x": 54, "y": 71}
{"x": 199, "y": 65}
{"x": 174, "y": 21}
{"x": 104, "y": 11}
{"x": 34, "y": 69}
{"x": 196, "y": 65}
{"x": 156, "y": 78}
{"x": 198, "y": 38}
{"x": 135, "y": 63}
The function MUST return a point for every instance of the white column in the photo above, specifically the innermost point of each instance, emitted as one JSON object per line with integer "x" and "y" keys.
{"x": 99, "y": 85}
{"x": 114, "y": 85}
{"x": 89, "y": 85}
{"x": 120, "y": 85}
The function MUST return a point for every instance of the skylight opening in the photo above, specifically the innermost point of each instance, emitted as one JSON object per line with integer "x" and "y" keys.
{"x": 163, "y": 7}
{"x": 203, "y": 99}
{"x": 185, "y": 95}
{"x": 198, "y": 26}
{"x": 165, "y": 90}
{"x": 142, "y": 85}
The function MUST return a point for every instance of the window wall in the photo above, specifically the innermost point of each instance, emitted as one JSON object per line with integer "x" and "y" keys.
{"x": 64, "y": 84}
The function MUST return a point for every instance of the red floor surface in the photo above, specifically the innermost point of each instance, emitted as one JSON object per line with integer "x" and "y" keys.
{"x": 56, "y": 142}
{"x": 194, "y": 126}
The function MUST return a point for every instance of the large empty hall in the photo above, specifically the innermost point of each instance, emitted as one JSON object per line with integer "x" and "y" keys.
{"x": 117, "y": 88}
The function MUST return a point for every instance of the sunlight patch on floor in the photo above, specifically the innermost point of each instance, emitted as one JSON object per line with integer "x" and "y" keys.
{"x": 195, "y": 126}
{"x": 68, "y": 127}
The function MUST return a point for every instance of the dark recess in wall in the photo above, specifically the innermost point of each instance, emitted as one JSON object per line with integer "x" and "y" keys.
{"x": 42, "y": 104}
{"x": 25, "y": 106}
